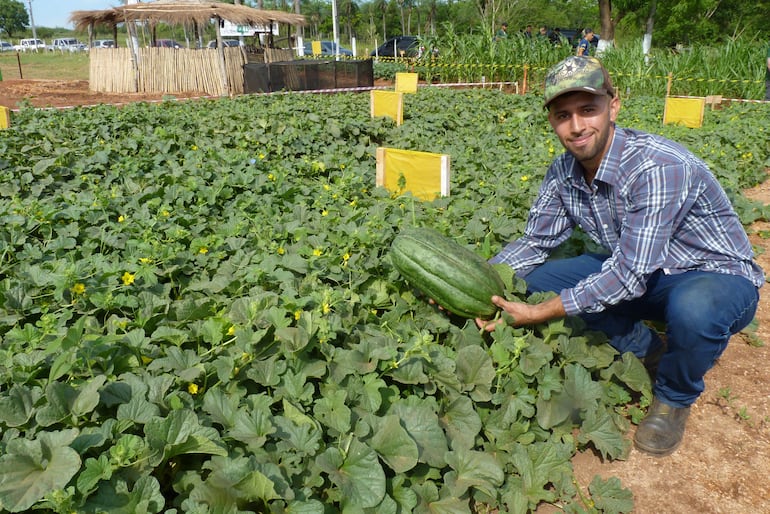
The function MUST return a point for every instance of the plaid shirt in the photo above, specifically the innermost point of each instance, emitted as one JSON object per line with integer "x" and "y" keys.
{"x": 653, "y": 205}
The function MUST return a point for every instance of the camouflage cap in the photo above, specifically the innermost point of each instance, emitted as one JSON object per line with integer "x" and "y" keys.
{"x": 577, "y": 73}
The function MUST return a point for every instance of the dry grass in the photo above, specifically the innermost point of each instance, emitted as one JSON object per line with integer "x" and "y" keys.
{"x": 44, "y": 65}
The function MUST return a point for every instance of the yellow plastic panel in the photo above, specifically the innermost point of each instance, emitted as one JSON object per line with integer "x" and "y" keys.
{"x": 424, "y": 175}
{"x": 406, "y": 82}
{"x": 387, "y": 103}
{"x": 686, "y": 111}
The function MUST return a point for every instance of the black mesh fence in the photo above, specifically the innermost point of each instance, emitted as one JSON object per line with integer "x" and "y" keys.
{"x": 306, "y": 75}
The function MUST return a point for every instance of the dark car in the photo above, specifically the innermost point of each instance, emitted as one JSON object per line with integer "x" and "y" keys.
{"x": 327, "y": 48}
{"x": 406, "y": 46}
{"x": 225, "y": 42}
{"x": 167, "y": 43}
{"x": 575, "y": 35}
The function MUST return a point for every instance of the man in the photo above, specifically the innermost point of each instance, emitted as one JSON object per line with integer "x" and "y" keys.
{"x": 676, "y": 250}
{"x": 503, "y": 32}
{"x": 584, "y": 46}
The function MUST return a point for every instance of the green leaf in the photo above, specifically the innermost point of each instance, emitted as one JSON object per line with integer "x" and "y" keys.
{"x": 599, "y": 428}
{"x": 60, "y": 398}
{"x": 95, "y": 471}
{"x": 117, "y": 497}
{"x": 462, "y": 423}
{"x": 31, "y": 469}
{"x": 357, "y": 473}
{"x": 421, "y": 422}
{"x": 476, "y": 371}
{"x": 18, "y": 406}
{"x": 393, "y": 443}
{"x": 88, "y": 396}
{"x": 610, "y": 497}
{"x": 332, "y": 411}
{"x": 473, "y": 469}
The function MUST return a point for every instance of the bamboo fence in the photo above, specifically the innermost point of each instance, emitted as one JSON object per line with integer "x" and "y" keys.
{"x": 166, "y": 70}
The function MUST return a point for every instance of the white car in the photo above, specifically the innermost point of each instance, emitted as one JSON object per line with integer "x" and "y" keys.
{"x": 103, "y": 43}
{"x": 5, "y": 46}
{"x": 30, "y": 44}
{"x": 66, "y": 44}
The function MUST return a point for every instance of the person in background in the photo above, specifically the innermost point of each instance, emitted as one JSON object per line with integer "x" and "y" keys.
{"x": 542, "y": 34}
{"x": 502, "y": 33}
{"x": 556, "y": 37}
{"x": 584, "y": 47}
{"x": 674, "y": 250}
{"x": 767, "y": 75}
{"x": 528, "y": 32}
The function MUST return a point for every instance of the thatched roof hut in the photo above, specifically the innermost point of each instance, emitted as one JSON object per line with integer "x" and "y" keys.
{"x": 198, "y": 13}
{"x": 178, "y": 12}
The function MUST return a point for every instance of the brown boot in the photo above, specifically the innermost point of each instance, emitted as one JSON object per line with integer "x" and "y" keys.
{"x": 661, "y": 431}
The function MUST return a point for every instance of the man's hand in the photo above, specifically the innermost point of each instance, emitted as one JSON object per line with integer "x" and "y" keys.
{"x": 524, "y": 313}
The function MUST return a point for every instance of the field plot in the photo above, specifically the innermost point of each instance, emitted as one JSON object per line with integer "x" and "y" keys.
{"x": 198, "y": 313}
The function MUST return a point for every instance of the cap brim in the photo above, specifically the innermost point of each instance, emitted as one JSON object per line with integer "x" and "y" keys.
{"x": 583, "y": 89}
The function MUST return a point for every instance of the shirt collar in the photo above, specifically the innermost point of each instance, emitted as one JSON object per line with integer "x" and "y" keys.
{"x": 608, "y": 169}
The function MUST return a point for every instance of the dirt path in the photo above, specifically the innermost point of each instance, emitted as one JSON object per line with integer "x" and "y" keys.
{"x": 723, "y": 463}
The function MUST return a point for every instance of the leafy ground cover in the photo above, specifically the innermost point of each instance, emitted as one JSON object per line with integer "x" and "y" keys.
{"x": 199, "y": 314}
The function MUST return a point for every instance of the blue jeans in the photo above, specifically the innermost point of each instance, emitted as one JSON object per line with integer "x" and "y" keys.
{"x": 701, "y": 310}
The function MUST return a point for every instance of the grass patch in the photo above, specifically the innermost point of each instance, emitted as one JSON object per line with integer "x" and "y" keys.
{"x": 44, "y": 65}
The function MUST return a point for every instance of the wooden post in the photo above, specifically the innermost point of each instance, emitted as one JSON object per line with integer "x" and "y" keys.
{"x": 524, "y": 80}
{"x": 668, "y": 84}
{"x": 221, "y": 51}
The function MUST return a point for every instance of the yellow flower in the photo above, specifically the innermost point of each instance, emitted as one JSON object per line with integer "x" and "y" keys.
{"x": 121, "y": 218}
{"x": 327, "y": 187}
{"x": 192, "y": 388}
{"x": 524, "y": 178}
{"x": 346, "y": 257}
{"x": 145, "y": 260}
{"x": 261, "y": 156}
{"x": 325, "y": 308}
{"x": 270, "y": 176}
{"x": 128, "y": 278}
{"x": 203, "y": 250}
{"x": 231, "y": 330}
{"x": 297, "y": 315}
{"x": 324, "y": 212}
{"x": 194, "y": 147}
{"x": 78, "y": 288}
{"x": 342, "y": 166}
{"x": 281, "y": 250}
{"x": 317, "y": 252}
{"x": 165, "y": 213}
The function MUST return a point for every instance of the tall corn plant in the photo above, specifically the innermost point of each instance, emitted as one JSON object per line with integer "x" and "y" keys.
{"x": 733, "y": 69}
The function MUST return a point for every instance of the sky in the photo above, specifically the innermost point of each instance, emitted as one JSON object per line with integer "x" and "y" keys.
{"x": 56, "y": 13}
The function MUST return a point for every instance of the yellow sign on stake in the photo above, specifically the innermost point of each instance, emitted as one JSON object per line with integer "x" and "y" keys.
{"x": 687, "y": 111}
{"x": 387, "y": 103}
{"x": 5, "y": 117}
{"x": 424, "y": 175}
{"x": 406, "y": 82}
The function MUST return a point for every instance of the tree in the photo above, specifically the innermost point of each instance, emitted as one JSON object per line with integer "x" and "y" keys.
{"x": 13, "y": 17}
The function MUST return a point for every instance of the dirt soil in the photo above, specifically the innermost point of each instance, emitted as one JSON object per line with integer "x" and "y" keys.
{"x": 723, "y": 463}
{"x": 71, "y": 93}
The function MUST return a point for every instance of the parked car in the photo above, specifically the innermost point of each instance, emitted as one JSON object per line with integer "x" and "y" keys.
{"x": 66, "y": 44}
{"x": 5, "y": 46}
{"x": 30, "y": 44}
{"x": 406, "y": 46}
{"x": 167, "y": 43}
{"x": 225, "y": 42}
{"x": 327, "y": 48}
{"x": 103, "y": 43}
